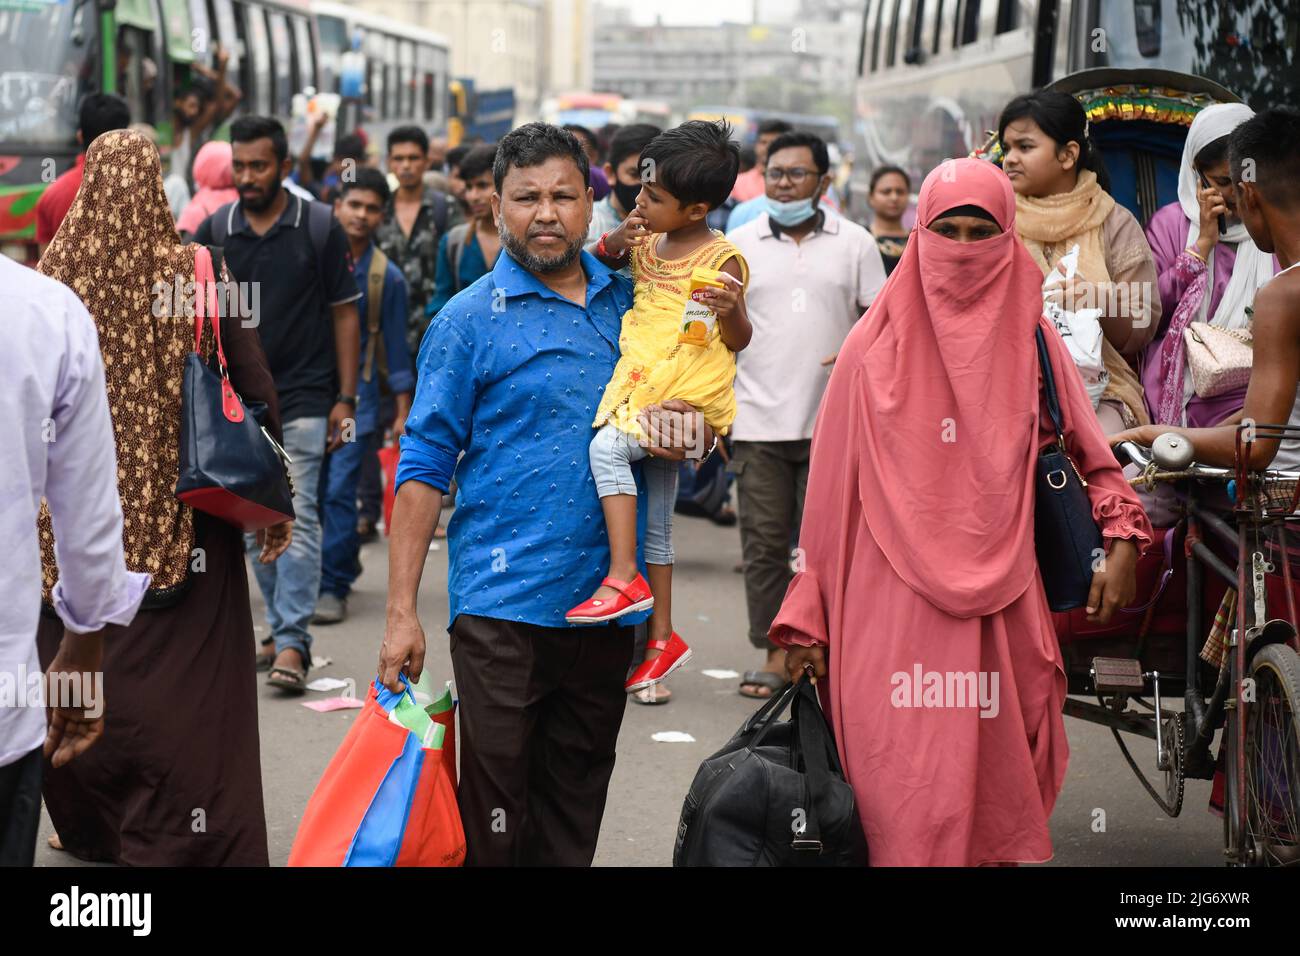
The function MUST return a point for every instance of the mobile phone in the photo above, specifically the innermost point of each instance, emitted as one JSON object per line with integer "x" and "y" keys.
{"x": 1223, "y": 222}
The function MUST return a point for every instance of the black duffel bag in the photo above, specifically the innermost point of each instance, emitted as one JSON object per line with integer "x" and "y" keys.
{"x": 775, "y": 795}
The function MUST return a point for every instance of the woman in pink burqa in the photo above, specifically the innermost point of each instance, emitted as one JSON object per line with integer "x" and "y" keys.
{"x": 918, "y": 543}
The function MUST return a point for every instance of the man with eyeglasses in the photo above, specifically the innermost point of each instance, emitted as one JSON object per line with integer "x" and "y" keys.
{"x": 812, "y": 274}
{"x": 751, "y": 209}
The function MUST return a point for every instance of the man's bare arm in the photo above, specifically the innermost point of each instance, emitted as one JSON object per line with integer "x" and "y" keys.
{"x": 415, "y": 514}
{"x": 1272, "y": 391}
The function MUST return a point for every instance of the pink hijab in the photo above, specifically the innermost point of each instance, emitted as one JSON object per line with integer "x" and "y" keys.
{"x": 215, "y": 180}
{"x": 948, "y": 403}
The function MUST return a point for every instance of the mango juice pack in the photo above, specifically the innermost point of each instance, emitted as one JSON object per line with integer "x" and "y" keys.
{"x": 698, "y": 318}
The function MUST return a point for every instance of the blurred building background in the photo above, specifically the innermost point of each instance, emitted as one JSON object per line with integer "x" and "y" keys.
{"x": 801, "y": 60}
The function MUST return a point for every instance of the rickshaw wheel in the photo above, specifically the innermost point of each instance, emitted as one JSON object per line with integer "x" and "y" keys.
{"x": 1272, "y": 757}
{"x": 1174, "y": 733}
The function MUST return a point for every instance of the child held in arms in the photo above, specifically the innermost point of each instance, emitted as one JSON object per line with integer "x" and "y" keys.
{"x": 679, "y": 341}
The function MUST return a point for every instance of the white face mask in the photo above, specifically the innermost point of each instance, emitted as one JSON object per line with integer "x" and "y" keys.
{"x": 789, "y": 213}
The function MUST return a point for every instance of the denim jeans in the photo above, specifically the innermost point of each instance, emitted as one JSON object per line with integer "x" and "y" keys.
{"x": 612, "y": 452}
{"x": 340, "y": 543}
{"x": 290, "y": 584}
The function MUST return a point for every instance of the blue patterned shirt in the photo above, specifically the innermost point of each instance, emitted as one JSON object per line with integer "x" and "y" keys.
{"x": 511, "y": 374}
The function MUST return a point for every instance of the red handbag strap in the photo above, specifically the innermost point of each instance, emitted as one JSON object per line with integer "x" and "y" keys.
{"x": 205, "y": 302}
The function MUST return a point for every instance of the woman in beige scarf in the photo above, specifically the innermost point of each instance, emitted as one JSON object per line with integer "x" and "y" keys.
{"x": 1060, "y": 202}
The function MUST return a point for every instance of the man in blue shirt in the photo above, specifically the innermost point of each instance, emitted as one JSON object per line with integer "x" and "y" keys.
{"x": 385, "y": 364}
{"x": 511, "y": 373}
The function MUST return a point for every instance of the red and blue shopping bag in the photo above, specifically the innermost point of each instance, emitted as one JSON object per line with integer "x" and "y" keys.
{"x": 388, "y": 797}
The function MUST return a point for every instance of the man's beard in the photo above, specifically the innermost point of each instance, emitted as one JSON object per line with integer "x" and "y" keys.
{"x": 262, "y": 202}
{"x": 518, "y": 249}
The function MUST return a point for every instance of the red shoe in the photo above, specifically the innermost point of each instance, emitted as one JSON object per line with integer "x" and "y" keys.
{"x": 632, "y": 596}
{"x": 674, "y": 653}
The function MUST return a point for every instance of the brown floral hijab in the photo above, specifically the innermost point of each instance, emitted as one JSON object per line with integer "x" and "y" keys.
{"x": 118, "y": 249}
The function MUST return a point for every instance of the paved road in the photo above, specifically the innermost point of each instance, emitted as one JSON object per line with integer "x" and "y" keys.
{"x": 651, "y": 778}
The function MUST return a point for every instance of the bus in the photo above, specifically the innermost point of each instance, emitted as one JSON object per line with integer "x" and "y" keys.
{"x": 407, "y": 70}
{"x": 744, "y": 122}
{"x": 592, "y": 110}
{"x": 53, "y": 52}
{"x": 933, "y": 75}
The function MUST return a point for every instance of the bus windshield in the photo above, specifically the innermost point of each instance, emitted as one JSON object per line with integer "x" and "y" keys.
{"x": 1248, "y": 46}
{"x": 46, "y": 63}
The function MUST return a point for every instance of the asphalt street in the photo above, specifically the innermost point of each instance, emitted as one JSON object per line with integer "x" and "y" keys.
{"x": 652, "y": 777}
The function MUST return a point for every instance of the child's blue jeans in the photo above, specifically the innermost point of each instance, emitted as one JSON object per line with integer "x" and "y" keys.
{"x": 612, "y": 453}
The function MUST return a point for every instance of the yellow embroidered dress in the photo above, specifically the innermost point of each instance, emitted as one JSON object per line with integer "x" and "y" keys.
{"x": 654, "y": 366}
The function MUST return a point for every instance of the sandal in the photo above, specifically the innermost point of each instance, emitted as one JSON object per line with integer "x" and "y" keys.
{"x": 292, "y": 679}
{"x": 288, "y": 678}
{"x": 266, "y": 658}
{"x": 773, "y": 683}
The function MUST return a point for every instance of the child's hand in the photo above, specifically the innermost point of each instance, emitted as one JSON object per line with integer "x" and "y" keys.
{"x": 724, "y": 302}
{"x": 632, "y": 231}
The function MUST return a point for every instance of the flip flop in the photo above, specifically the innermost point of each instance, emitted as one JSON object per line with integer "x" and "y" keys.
{"x": 773, "y": 683}
{"x": 291, "y": 679}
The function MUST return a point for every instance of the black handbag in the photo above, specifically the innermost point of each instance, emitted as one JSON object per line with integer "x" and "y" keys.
{"x": 1066, "y": 537}
{"x": 230, "y": 466}
{"x": 775, "y": 795}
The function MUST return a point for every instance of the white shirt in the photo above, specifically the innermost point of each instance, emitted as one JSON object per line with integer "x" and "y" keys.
{"x": 58, "y": 444}
{"x": 803, "y": 299}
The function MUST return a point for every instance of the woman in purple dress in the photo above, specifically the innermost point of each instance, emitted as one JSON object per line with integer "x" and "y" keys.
{"x": 1205, "y": 275}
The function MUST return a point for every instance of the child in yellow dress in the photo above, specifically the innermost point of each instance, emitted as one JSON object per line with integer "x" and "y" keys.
{"x": 679, "y": 341}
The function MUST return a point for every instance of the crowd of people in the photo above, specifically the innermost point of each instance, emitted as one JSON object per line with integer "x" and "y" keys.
{"x": 512, "y": 314}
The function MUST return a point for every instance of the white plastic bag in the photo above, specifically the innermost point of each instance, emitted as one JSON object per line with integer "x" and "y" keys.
{"x": 1081, "y": 330}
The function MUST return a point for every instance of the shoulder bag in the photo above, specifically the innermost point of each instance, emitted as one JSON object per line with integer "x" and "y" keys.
{"x": 1066, "y": 537}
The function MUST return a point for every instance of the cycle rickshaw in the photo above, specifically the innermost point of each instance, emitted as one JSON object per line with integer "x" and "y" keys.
{"x": 1218, "y": 622}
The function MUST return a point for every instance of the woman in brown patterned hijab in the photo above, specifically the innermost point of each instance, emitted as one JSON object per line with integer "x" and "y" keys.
{"x": 118, "y": 249}
{"x": 181, "y": 715}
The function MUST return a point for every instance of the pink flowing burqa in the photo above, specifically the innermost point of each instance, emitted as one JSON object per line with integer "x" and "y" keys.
{"x": 945, "y": 681}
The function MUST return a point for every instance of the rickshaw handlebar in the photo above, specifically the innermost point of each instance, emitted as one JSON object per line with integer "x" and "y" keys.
{"x": 1128, "y": 452}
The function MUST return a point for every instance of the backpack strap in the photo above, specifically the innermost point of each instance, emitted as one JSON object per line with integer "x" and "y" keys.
{"x": 221, "y": 223}
{"x": 456, "y": 240}
{"x": 440, "y": 211}
{"x": 319, "y": 217}
{"x": 374, "y": 307}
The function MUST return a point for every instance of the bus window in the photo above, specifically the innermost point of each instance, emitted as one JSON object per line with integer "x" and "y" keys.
{"x": 259, "y": 59}
{"x": 202, "y": 37}
{"x": 241, "y": 60}
{"x": 374, "y": 47}
{"x": 970, "y": 21}
{"x": 221, "y": 17}
{"x": 333, "y": 37}
{"x": 406, "y": 79}
{"x": 392, "y": 89}
{"x": 423, "y": 81}
{"x": 51, "y": 60}
{"x": 138, "y": 55}
{"x": 862, "y": 39}
{"x": 914, "y": 31}
{"x": 892, "y": 48}
{"x": 875, "y": 35}
{"x": 938, "y": 26}
{"x": 302, "y": 58}
{"x": 282, "y": 62}
{"x": 1008, "y": 16}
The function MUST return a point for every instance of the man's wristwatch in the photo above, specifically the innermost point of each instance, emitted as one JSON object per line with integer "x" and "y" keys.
{"x": 345, "y": 399}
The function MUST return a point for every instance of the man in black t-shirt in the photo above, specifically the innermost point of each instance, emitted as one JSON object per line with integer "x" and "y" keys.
{"x": 290, "y": 260}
